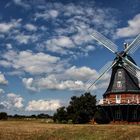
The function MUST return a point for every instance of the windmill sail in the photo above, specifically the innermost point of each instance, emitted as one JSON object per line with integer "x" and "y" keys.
{"x": 104, "y": 41}
{"x": 133, "y": 45}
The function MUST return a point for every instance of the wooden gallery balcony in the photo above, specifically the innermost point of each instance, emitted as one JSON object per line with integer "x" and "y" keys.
{"x": 120, "y": 99}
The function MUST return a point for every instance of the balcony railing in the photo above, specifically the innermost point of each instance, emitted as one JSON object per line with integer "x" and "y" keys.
{"x": 121, "y": 101}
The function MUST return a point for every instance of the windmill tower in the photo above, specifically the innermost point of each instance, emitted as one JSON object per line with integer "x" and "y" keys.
{"x": 121, "y": 101}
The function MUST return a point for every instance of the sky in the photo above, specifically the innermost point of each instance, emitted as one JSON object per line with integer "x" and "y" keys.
{"x": 47, "y": 54}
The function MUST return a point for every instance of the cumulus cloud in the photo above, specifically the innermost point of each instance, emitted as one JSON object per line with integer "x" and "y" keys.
{"x": 25, "y": 39}
{"x": 1, "y": 91}
{"x": 50, "y": 82}
{"x": 43, "y": 105}
{"x": 21, "y": 3}
{"x": 61, "y": 44}
{"x": 72, "y": 79}
{"x": 132, "y": 29}
{"x": 28, "y": 83}
{"x": 67, "y": 39}
{"x": 3, "y": 81}
{"x": 33, "y": 63}
{"x": 82, "y": 73}
{"x": 63, "y": 38}
{"x": 13, "y": 101}
{"x": 62, "y": 41}
{"x": 47, "y": 14}
{"x": 7, "y": 26}
{"x": 9, "y": 46}
{"x": 30, "y": 27}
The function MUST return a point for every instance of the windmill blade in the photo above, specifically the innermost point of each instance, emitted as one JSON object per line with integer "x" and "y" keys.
{"x": 104, "y": 41}
{"x": 91, "y": 80}
{"x": 130, "y": 70}
{"x": 135, "y": 43}
{"x": 105, "y": 67}
{"x": 102, "y": 75}
{"x": 136, "y": 46}
{"x": 130, "y": 63}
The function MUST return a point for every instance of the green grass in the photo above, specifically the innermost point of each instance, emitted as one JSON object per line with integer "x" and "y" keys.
{"x": 35, "y": 130}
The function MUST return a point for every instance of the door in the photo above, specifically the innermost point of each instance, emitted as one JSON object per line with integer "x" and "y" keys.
{"x": 118, "y": 99}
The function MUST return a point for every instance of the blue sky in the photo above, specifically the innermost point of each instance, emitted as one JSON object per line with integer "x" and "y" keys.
{"x": 47, "y": 53}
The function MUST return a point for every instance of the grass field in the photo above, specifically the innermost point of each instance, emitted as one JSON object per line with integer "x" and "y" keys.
{"x": 35, "y": 130}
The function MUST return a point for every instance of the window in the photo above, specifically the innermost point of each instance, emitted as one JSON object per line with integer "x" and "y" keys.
{"x": 119, "y": 84}
{"x": 120, "y": 74}
{"x": 118, "y": 99}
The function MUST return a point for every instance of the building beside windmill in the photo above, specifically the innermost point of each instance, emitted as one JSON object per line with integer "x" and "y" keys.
{"x": 121, "y": 101}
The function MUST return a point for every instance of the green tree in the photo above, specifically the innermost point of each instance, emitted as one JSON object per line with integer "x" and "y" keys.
{"x": 61, "y": 115}
{"x": 82, "y": 109}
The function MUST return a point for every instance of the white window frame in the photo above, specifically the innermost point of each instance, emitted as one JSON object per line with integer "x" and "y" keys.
{"x": 119, "y": 84}
{"x": 118, "y": 99}
{"x": 120, "y": 74}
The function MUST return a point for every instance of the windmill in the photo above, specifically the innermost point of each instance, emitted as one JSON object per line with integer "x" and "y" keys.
{"x": 121, "y": 101}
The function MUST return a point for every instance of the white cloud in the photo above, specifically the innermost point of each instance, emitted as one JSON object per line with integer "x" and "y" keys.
{"x": 72, "y": 79}
{"x": 50, "y": 82}
{"x": 5, "y": 64}
{"x": 90, "y": 48}
{"x": 33, "y": 63}
{"x": 9, "y": 46}
{"x": 82, "y": 73}
{"x": 3, "y": 81}
{"x": 1, "y": 91}
{"x": 66, "y": 39}
{"x": 6, "y": 27}
{"x": 28, "y": 83}
{"x": 25, "y": 39}
{"x": 13, "y": 101}
{"x": 59, "y": 44}
{"x": 30, "y": 27}
{"x": 15, "y": 73}
{"x": 61, "y": 41}
{"x": 21, "y": 3}
{"x": 47, "y": 14}
{"x": 132, "y": 29}
{"x": 53, "y": 13}
{"x": 43, "y": 105}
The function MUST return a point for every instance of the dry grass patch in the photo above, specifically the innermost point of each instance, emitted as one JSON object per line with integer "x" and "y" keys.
{"x": 35, "y": 130}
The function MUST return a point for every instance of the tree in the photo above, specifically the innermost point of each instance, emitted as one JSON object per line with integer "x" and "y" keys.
{"x": 3, "y": 116}
{"x": 42, "y": 115}
{"x": 60, "y": 115}
{"x": 82, "y": 109}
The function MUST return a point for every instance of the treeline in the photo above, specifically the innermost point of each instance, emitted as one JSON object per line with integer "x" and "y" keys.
{"x": 5, "y": 116}
{"x": 81, "y": 110}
